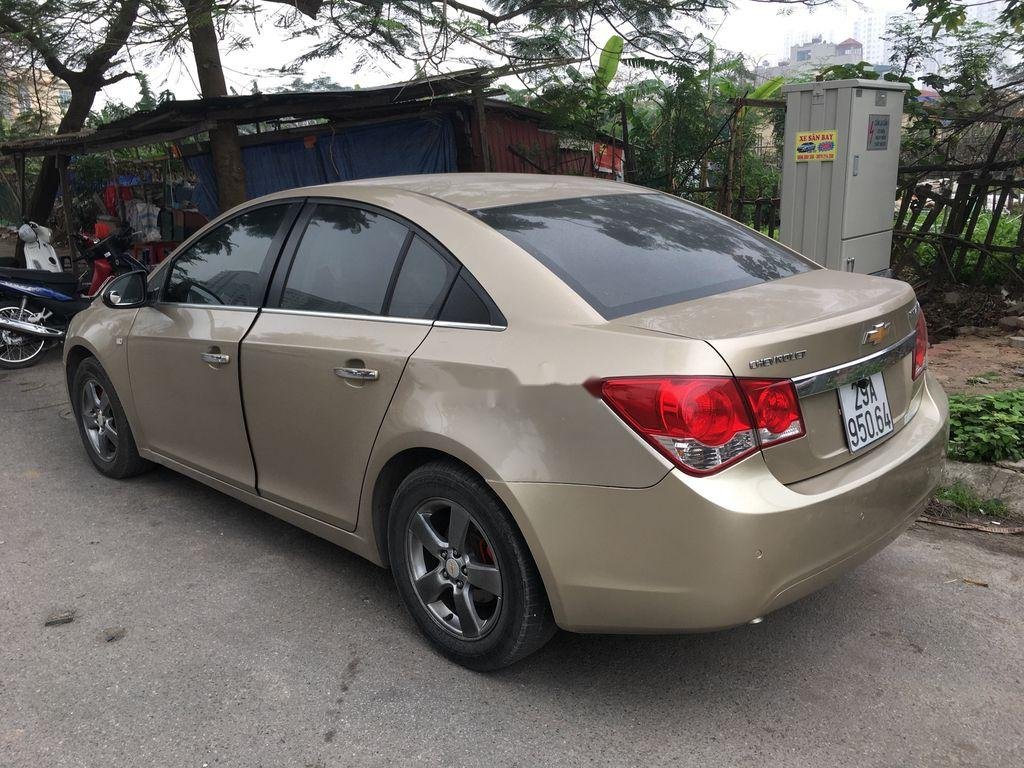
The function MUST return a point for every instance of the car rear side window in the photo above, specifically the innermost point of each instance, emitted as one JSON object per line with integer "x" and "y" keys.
{"x": 628, "y": 253}
{"x": 344, "y": 262}
{"x": 465, "y": 304}
{"x": 423, "y": 282}
{"x": 224, "y": 268}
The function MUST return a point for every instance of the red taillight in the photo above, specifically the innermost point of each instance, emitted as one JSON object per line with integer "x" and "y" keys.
{"x": 705, "y": 423}
{"x": 920, "y": 344}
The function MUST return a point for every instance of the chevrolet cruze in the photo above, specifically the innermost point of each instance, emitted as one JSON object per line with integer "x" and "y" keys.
{"x": 541, "y": 401}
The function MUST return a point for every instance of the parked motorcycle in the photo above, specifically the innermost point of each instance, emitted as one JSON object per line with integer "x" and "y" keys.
{"x": 36, "y": 304}
{"x": 39, "y": 254}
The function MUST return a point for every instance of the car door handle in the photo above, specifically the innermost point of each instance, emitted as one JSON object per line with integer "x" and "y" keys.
{"x": 357, "y": 374}
{"x": 215, "y": 358}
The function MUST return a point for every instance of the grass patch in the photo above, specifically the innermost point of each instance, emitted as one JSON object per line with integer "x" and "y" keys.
{"x": 966, "y": 500}
{"x": 987, "y": 427}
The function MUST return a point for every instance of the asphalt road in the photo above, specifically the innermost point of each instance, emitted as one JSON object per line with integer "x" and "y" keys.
{"x": 210, "y": 634}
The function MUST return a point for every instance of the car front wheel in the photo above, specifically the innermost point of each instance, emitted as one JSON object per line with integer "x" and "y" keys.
{"x": 464, "y": 571}
{"x": 102, "y": 423}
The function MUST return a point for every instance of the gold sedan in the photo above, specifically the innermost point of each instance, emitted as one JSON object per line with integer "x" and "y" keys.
{"x": 541, "y": 401}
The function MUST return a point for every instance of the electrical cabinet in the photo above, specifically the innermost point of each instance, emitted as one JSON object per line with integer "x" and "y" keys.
{"x": 840, "y": 160}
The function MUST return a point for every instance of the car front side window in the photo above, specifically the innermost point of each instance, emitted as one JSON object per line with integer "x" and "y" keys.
{"x": 224, "y": 268}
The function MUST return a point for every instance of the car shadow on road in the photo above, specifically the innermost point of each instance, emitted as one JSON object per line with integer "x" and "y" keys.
{"x": 798, "y": 637}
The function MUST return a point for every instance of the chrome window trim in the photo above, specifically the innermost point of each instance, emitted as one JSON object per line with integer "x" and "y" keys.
{"x": 385, "y": 319}
{"x": 347, "y": 316}
{"x": 847, "y": 373}
{"x": 469, "y": 326}
{"x": 230, "y": 307}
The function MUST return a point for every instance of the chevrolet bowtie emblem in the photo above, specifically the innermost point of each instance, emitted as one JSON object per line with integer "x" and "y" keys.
{"x": 876, "y": 334}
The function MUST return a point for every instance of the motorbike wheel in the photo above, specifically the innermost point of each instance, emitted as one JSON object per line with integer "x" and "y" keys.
{"x": 18, "y": 350}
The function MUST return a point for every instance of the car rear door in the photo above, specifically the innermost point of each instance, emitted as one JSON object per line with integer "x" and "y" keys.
{"x": 183, "y": 349}
{"x": 354, "y": 297}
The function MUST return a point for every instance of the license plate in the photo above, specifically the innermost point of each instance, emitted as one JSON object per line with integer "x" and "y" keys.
{"x": 866, "y": 415}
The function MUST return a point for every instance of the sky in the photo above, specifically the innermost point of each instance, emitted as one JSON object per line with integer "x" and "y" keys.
{"x": 756, "y": 29}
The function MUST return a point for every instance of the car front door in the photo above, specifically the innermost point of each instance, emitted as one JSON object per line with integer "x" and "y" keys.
{"x": 322, "y": 361}
{"x": 183, "y": 349}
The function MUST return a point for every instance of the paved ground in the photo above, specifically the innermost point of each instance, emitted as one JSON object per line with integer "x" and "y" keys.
{"x": 249, "y": 643}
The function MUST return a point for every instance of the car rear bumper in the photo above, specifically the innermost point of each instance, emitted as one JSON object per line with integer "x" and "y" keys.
{"x": 697, "y": 554}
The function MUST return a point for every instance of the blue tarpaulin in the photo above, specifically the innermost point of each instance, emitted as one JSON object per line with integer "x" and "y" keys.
{"x": 417, "y": 145}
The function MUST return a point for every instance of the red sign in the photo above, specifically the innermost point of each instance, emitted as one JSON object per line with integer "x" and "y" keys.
{"x": 608, "y": 159}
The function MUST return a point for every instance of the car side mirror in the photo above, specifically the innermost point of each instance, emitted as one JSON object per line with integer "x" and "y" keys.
{"x": 128, "y": 291}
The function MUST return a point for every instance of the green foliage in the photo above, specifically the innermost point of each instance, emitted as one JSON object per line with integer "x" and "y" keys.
{"x": 950, "y": 16}
{"x": 967, "y": 500}
{"x": 971, "y": 65}
{"x": 861, "y": 70}
{"x": 987, "y": 427}
{"x": 608, "y": 64}
{"x": 993, "y": 272}
{"x": 302, "y": 85}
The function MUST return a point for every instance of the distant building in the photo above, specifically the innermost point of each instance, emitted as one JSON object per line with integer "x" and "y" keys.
{"x": 32, "y": 92}
{"x": 870, "y": 29}
{"x": 812, "y": 56}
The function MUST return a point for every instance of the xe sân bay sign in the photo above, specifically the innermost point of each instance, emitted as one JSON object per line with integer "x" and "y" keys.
{"x": 815, "y": 145}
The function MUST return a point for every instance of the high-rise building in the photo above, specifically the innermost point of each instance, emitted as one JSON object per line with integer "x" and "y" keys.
{"x": 870, "y": 29}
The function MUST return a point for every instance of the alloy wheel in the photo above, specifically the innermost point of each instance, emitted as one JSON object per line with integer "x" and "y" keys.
{"x": 453, "y": 569}
{"x": 97, "y": 415}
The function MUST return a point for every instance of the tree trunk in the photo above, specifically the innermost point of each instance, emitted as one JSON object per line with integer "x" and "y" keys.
{"x": 224, "y": 146}
{"x": 44, "y": 193}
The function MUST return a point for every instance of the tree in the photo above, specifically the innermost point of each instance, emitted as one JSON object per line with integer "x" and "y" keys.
{"x": 78, "y": 42}
{"x": 224, "y": 146}
{"x": 199, "y": 20}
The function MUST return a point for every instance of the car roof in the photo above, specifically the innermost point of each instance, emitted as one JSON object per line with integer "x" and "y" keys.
{"x": 473, "y": 191}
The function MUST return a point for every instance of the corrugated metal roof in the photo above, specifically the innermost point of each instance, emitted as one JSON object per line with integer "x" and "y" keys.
{"x": 177, "y": 119}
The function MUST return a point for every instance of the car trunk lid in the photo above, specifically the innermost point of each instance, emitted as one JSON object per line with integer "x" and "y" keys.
{"x": 820, "y": 329}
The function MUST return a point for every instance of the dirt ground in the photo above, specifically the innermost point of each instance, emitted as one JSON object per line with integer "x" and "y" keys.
{"x": 977, "y": 364}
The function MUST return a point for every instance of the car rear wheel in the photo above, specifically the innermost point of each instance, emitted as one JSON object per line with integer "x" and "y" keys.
{"x": 464, "y": 571}
{"x": 102, "y": 423}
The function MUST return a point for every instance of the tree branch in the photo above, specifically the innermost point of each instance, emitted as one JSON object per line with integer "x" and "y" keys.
{"x": 14, "y": 26}
{"x": 117, "y": 78}
{"x": 118, "y": 30}
{"x": 308, "y": 8}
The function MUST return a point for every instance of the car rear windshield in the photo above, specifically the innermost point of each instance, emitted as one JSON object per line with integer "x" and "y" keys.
{"x": 628, "y": 253}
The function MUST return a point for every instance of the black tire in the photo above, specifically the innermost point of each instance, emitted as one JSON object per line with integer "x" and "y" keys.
{"x": 124, "y": 460}
{"x": 522, "y": 621}
{"x": 33, "y": 347}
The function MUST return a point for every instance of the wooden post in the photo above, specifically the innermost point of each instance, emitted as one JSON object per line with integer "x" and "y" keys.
{"x": 725, "y": 193}
{"x": 20, "y": 162}
{"x": 627, "y": 152}
{"x": 65, "y": 196}
{"x": 997, "y": 212}
{"x": 953, "y": 226}
{"x": 974, "y": 210}
{"x": 481, "y": 129}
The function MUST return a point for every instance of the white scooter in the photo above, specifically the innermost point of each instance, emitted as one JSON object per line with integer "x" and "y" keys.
{"x": 39, "y": 254}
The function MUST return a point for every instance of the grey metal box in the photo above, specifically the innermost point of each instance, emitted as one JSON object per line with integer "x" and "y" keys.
{"x": 837, "y": 204}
